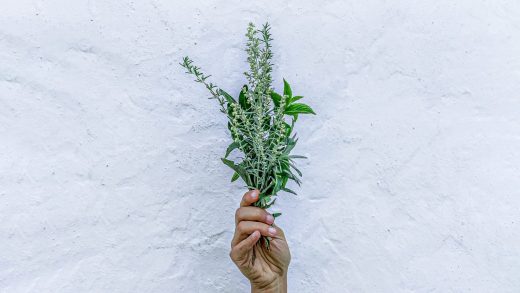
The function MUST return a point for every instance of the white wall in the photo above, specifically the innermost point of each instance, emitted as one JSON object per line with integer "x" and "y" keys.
{"x": 110, "y": 178}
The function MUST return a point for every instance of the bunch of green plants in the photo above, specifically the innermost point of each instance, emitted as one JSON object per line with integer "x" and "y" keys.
{"x": 261, "y": 122}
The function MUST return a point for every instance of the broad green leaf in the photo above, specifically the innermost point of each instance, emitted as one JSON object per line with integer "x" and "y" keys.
{"x": 296, "y": 98}
{"x": 297, "y": 108}
{"x": 235, "y": 177}
{"x": 230, "y": 148}
{"x": 287, "y": 89}
{"x": 276, "y": 98}
{"x": 229, "y": 98}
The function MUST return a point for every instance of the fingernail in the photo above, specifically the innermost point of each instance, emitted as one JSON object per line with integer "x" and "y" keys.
{"x": 269, "y": 218}
{"x": 272, "y": 231}
{"x": 253, "y": 194}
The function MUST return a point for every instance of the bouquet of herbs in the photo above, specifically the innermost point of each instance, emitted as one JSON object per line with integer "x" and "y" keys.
{"x": 261, "y": 122}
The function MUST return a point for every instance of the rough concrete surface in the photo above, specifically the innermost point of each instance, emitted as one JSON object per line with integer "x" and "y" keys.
{"x": 110, "y": 178}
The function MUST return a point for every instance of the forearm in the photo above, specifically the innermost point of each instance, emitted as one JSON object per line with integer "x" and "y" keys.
{"x": 278, "y": 286}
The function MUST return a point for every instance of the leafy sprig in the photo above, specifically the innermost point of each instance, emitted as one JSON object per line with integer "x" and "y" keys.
{"x": 261, "y": 122}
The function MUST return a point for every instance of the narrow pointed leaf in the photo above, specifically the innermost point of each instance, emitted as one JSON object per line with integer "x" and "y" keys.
{"x": 230, "y": 148}
{"x": 270, "y": 204}
{"x": 235, "y": 177}
{"x": 237, "y": 168}
{"x": 297, "y": 157}
{"x": 229, "y": 98}
{"x": 296, "y": 169}
{"x": 289, "y": 190}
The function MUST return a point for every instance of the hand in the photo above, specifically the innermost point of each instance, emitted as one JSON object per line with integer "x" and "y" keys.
{"x": 265, "y": 269}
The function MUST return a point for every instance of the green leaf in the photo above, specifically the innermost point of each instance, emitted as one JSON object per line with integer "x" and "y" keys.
{"x": 289, "y": 190}
{"x": 235, "y": 177}
{"x": 270, "y": 204}
{"x": 287, "y": 89}
{"x": 288, "y": 129}
{"x": 291, "y": 143}
{"x": 242, "y": 99}
{"x": 296, "y": 169}
{"x": 230, "y": 148}
{"x": 296, "y": 98}
{"x": 276, "y": 215}
{"x": 284, "y": 182}
{"x": 229, "y": 98}
{"x": 276, "y": 98}
{"x": 297, "y": 157}
{"x": 278, "y": 184}
{"x": 239, "y": 169}
{"x": 297, "y": 108}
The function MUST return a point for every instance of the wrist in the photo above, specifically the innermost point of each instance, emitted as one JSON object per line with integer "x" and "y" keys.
{"x": 278, "y": 285}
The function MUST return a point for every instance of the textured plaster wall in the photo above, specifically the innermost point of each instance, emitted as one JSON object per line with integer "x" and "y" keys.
{"x": 110, "y": 179}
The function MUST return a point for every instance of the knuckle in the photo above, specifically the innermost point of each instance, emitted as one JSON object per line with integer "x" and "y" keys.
{"x": 258, "y": 212}
{"x": 241, "y": 227}
{"x": 262, "y": 214}
{"x": 238, "y": 213}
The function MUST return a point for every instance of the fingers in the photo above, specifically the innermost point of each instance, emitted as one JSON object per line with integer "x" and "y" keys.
{"x": 253, "y": 214}
{"x": 239, "y": 251}
{"x": 279, "y": 231}
{"x": 249, "y": 198}
{"x": 245, "y": 228}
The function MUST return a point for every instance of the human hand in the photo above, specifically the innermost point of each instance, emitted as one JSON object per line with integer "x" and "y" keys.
{"x": 265, "y": 269}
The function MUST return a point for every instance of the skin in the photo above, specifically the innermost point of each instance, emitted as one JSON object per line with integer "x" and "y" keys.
{"x": 268, "y": 272}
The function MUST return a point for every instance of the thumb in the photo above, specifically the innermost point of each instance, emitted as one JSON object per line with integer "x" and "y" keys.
{"x": 240, "y": 250}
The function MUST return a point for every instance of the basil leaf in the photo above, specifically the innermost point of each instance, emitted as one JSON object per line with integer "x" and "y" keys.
{"x": 297, "y": 108}
{"x": 276, "y": 98}
{"x": 296, "y": 98}
{"x": 287, "y": 89}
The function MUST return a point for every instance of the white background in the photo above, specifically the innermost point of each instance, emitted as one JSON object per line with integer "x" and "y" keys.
{"x": 110, "y": 172}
